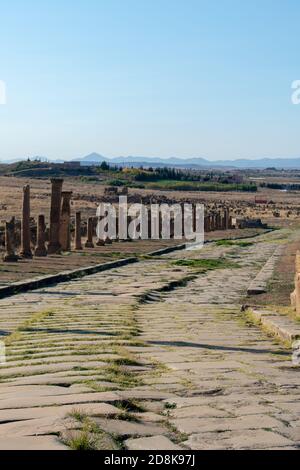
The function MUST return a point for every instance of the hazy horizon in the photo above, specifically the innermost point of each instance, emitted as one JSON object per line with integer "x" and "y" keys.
{"x": 196, "y": 79}
{"x": 148, "y": 157}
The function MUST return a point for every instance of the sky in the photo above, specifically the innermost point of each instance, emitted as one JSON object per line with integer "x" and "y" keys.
{"x": 159, "y": 78}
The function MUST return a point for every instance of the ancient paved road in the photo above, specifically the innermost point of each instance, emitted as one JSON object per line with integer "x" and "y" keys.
{"x": 153, "y": 355}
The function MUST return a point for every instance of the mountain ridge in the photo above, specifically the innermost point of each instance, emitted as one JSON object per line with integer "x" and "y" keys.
{"x": 95, "y": 158}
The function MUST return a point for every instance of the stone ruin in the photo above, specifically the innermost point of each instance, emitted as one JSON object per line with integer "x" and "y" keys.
{"x": 38, "y": 240}
{"x": 250, "y": 223}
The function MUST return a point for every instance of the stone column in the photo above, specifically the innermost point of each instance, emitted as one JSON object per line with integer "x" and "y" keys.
{"x": 10, "y": 255}
{"x": 25, "y": 226}
{"x": 89, "y": 243}
{"x": 206, "y": 223}
{"x": 64, "y": 232}
{"x": 54, "y": 244}
{"x": 209, "y": 223}
{"x": 78, "y": 245}
{"x": 40, "y": 249}
{"x": 226, "y": 218}
{"x": 222, "y": 220}
{"x": 213, "y": 222}
{"x": 100, "y": 241}
{"x": 218, "y": 221}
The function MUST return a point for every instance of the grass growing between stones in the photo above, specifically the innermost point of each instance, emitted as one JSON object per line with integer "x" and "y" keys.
{"x": 233, "y": 243}
{"x": 35, "y": 318}
{"x": 204, "y": 265}
{"x": 89, "y": 437}
{"x": 251, "y": 320}
{"x": 285, "y": 311}
{"x": 116, "y": 374}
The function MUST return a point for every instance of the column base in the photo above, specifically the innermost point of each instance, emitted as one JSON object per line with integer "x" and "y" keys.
{"x": 10, "y": 258}
{"x": 26, "y": 254}
{"x": 40, "y": 252}
{"x": 89, "y": 245}
{"x": 54, "y": 249}
{"x": 67, "y": 248}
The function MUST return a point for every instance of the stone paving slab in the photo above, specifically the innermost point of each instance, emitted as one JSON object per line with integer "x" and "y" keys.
{"x": 151, "y": 443}
{"x": 239, "y": 423}
{"x": 75, "y": 399}
{"x": 258, "y": 439}
{"x": 90, "y": 409}
{"x": 38, "y": 426}
{"x": 127, "y": 428}
{"x": 196, "y": 366}
{"x": 32, "y": 443}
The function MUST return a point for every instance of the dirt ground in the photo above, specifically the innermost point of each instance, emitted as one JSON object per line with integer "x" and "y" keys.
{"x": 28, "y": 269}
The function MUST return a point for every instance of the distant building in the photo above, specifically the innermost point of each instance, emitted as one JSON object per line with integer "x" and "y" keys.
{"x": 260, "y": 200}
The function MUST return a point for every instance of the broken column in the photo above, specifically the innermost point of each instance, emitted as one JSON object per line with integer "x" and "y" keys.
{"x": 65, "y": 231}
{"x": 100, "y": 241}
{"x": 89, "y": 243}
{"x": 25, "y": 225}
{"x": 10, "y": 255}
{"x": 54, "y": 243}
{"x": 78, "y": 245}
{"x": 41, "y": 249}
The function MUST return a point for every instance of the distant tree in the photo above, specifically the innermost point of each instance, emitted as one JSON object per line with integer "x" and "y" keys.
{"x": 104, "y": 166}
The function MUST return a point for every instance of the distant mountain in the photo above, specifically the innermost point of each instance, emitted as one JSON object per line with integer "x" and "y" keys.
{"x": 93, "y": 157}
{"x": 278, "y": 163}
{"x": 192, "y": 163}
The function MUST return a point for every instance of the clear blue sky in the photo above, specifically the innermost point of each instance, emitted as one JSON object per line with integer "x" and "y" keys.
{"x": 149, "y": 77}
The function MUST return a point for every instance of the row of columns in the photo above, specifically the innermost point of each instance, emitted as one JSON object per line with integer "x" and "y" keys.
{"x": 59, "y": 234}
{"x": 60, "y": 218}
{"x": 220, "y": 220}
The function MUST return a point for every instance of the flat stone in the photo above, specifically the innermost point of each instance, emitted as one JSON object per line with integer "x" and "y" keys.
{"x": 128, "y": 428}
{"x": 90, "y": 409}
{"x": 75, "y": 399}
{"x": 151, "y": 443}
{"x": 199, "y": 425}
{"x": 248, "y": 439}
{"x": 198, "y": 411}
{"x": 37, "y": 427}
{"x": 32, "y": 443}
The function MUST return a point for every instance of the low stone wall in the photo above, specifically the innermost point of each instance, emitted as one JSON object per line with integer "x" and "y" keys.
{"x": 295, "y": 296}
{"x": 259, "y": 285}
